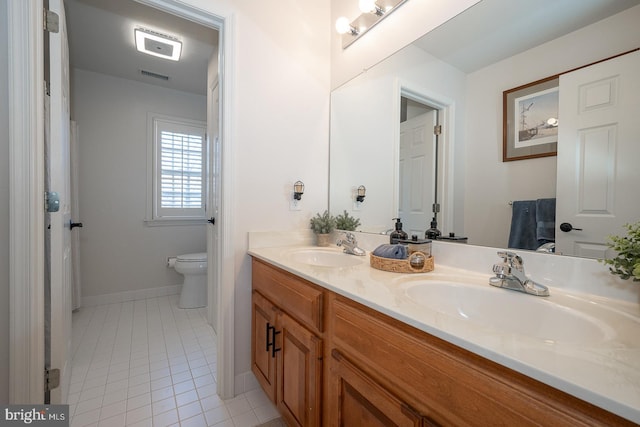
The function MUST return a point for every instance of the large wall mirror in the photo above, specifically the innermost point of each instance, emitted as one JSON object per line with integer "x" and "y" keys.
{"x": 459, "y": 72}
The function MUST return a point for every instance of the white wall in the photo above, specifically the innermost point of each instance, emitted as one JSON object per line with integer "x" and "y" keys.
{"x": 280, "y": 130}
{"x": 362, "y": 131}
{"x": 119, "y": 251}
{"x": 490, "y": 183}
{"x": 405, "y": 25}
{"x": 4, "y": 206}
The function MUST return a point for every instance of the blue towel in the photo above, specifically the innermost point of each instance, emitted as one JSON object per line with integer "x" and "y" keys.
{"x": 391, "y": 251}
{"x": 523, "y": 225}
{"x": 545, "y": 221}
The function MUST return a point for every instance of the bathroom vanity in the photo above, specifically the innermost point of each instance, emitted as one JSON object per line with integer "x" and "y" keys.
{"x": 335, "y": 342}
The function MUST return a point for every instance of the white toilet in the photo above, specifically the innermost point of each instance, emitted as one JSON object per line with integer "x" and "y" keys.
{"x": 194, "y": 289}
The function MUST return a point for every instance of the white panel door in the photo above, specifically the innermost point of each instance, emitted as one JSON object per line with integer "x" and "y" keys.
{"x": 598, "y": 180}
{"x": 59, "y": 181}
{"x": 417, "y": 147}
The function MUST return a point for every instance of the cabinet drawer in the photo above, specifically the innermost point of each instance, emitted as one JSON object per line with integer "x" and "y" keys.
{"x": 300, "y": 299}
{"x": 449, "y": 384}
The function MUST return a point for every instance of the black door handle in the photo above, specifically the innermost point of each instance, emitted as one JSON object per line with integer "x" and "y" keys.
{"x": 566, "y": 227}
{"x": 72, "y": 225}
{"x": 211, "y": 220}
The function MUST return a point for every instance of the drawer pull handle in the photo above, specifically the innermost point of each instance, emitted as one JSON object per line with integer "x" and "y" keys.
{"x": 274, "y": 350}
{"x": 269, "y": 344}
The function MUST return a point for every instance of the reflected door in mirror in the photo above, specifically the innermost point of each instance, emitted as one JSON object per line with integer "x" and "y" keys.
{"x": 598, "y": 154}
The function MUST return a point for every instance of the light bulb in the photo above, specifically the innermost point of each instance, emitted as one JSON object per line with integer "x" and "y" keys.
{"x": 367, "y": 6}
{"x": 343, "y": 25}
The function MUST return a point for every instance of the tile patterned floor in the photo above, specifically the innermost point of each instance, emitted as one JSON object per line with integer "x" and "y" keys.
{"x": 150, "y": 363}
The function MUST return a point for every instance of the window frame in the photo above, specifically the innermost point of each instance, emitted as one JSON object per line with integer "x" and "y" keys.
{"x": 156, "y": 215}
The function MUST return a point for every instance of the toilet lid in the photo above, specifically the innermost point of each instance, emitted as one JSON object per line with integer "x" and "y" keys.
{"x": 202, "y": 256}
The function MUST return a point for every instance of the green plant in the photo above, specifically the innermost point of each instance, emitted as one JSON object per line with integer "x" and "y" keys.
{"x": 627, "y": 262}
{"x": 346, "y": 222}
{"x": 323, "y": 224}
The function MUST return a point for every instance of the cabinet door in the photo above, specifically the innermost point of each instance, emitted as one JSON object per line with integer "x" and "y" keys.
{"x": 263, "y": 362}
{"x": 357, "y": 400}
{"x": 299, "y": 373}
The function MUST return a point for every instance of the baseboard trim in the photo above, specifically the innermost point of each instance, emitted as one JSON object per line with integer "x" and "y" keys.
{"x": 116, "y": 297}
{"x": 245, "y": 382}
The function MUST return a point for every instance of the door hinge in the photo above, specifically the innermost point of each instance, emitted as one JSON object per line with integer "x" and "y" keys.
{"x": 51, "y": 201}
{"x": 51, "y": 21}
{"x": 51, "y": 379}
{"x": 437, "y": 129}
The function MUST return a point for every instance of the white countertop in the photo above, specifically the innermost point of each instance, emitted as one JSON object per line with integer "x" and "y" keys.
{"x": 605, "y": 373}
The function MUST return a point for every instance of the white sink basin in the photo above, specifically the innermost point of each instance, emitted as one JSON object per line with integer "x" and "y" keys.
{"x": 325, "y": 258}
{"x": 511, "y": 312}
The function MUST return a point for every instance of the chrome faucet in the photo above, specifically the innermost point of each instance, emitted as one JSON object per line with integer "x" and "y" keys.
{"x": 510, "y": 275}
{"x": 350, "y": 245}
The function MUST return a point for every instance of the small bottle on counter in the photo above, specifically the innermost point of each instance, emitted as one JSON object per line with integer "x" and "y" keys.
{"x": 398, "y": 233}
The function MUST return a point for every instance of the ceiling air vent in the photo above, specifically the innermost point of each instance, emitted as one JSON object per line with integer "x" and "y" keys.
{"x": 154, "y": 75}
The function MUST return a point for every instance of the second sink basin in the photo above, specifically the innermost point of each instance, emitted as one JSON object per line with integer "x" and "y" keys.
{"x": 506, "y": 311}
{"x": 325, "y": 258}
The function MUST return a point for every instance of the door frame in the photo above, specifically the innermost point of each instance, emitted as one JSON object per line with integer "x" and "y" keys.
{"x": 26, "y": 242}
{"x": 446, "y": 149}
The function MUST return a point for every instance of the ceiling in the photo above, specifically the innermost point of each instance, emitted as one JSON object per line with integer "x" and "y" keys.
{"x": 101, "y": 40}
{"x": 101, "y": 36}
{"x": 493, "y": 30}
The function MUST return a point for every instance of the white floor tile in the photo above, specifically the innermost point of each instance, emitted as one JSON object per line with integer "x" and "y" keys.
{"x": 217, "y": 415}
{"x": 197, "y": 421}
{"x": 138, "y": 414}
{"x": 163, "y": 405}
{"x": 150, "y": 363}
{"x": 113, "y": 409}
{"x": 247, "y": 419}
{"x": 166, "y": 418}
{"x": 139, "y": 401}
{"x": 190, "y": 410}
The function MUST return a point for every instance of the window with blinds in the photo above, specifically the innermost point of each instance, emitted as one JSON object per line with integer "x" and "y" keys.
{"x": 180, "y": 159}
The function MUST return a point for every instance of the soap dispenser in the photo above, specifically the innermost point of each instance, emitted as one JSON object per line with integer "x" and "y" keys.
{"x": 398, "y": 234}
{"x": 433, "y": 233}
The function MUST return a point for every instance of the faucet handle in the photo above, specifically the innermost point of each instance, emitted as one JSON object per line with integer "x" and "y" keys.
{"x": 511, "y": 258}
{"x": 349, "y": 236}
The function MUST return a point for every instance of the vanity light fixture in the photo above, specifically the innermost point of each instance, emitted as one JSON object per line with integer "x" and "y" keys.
{"x": 157, "y": 44}
{"x": 373, "y": 11}
{"x": 360, "y": 193}
{"x": 343, "y": 26}
{"x": 298, "y": 190}
{"x": 370, "y": 6}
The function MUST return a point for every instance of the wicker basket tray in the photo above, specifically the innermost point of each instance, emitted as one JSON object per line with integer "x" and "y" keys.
{"x": 401, "y": 265}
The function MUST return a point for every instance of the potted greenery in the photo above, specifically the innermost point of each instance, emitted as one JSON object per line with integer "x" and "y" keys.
{"x": 322, "y": 226}
{"x": 346, "y": 222}
{"x": 627, "y": 262}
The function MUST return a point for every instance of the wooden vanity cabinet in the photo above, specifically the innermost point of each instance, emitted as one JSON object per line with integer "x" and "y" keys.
{"x": 379, "y": 371}
{"x": 445, "y": 384}
{"x": 287, "y": 345}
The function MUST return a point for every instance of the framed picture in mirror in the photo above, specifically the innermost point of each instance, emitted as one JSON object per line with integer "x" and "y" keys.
{"x": 530, "y": 120}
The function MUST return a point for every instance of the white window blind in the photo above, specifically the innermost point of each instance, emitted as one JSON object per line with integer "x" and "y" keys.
{"x": 180, "y": 159}
{"x": 181, "y": 171}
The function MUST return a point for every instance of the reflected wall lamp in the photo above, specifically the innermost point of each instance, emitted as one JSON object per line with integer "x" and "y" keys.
{"x": 298, "y": 190}
{"x": 373, "y": 11}
{"x": 360, "y": 193}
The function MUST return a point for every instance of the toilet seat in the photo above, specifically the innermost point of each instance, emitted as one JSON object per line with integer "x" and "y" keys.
{"x": 196, "y": 257}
